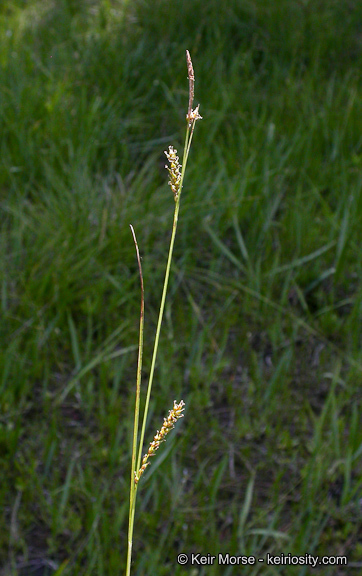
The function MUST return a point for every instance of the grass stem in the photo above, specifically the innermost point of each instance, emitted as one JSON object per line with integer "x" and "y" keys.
{"x": 133, "y": 490}
{"x": 176, "y": 183}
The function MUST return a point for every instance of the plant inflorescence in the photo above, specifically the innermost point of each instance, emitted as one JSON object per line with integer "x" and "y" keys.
{"x": 138, "y": 467}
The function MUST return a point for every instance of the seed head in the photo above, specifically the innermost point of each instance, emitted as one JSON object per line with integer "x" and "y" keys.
{"x": 192, "y": 115}
{"x": 190, "y": 70}
{"x": 168, "y": 424}
{"x": 174, "y": 170}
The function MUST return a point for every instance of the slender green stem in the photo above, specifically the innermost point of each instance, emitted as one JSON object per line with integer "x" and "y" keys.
{"x": 136, "y": 465}
{"x": 188, "y": 139}
{"x": 133, "y": 490}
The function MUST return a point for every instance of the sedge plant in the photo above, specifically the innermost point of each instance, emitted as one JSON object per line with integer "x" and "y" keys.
{"x": 139, "y": 464}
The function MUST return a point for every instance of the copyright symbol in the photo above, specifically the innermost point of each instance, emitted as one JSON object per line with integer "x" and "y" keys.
{"x": 182, "y": 559}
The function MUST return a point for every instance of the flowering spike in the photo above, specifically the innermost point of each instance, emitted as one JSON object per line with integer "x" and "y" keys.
{"x": 193, "y": 116}
{"x": 168, "y": 425}
{"x": 191, "y": 73}
{"x": 174, "y": 170}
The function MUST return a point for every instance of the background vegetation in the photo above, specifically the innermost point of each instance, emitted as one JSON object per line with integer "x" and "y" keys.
{"x": 262, "y": 335}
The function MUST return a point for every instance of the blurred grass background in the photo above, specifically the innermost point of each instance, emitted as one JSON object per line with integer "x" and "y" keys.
{"x": 262, "y": 334}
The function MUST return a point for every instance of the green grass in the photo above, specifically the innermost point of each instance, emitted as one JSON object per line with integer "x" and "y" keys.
{"x": 262, "y": 331}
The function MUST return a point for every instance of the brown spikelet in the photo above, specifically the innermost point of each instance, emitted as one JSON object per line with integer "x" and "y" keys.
{"x": 191, "y": 73}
